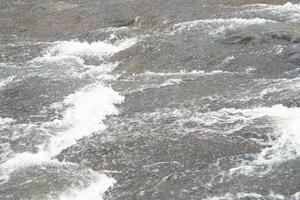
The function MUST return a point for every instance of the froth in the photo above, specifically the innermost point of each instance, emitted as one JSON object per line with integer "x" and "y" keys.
{"x": 23, "y": 160}
{"x": 284, "y": 147}
{"x": 94, "y": 191}
{"x": 5, "y": 121}
{"x": 181, "y": 73}
{"x": 84, "y": 110}
{"x": 289, "y": 11}
{"x": 217, "y": 26}
{"x": 76, "y": 48}
{"x": 84, "y": 114}
{"x": 6, "y": 81}
{"x": 87, "y": 109}
{"x": 243, "y": 195}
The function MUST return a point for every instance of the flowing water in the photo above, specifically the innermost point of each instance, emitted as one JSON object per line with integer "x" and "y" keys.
{"x": 200, "y": 109}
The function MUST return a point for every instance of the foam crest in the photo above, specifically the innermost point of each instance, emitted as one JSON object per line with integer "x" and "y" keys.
{"x": 286, "y": 145}
{"x": 296, "y": 196}
{"x": 151, "y": 80}
{"x": 181, "y": 73}
{"x": 87, "y": 109}
{"x": 4, "y": 82}
{"x": 94, "y": 191}
{"x": 218, "y": 26}
{"x": 244, "y": 195}
{"x": 84, "y": 110}
{"x": 76, "y": 48}
{"x": 289, "y": 11}
{"x": 24, "y": 160}
{"x": 5, "y": 121}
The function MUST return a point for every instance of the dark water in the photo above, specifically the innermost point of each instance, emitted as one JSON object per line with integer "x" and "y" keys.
{"x": 168, "y": 104}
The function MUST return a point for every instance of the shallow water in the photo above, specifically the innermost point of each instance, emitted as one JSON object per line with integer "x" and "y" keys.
{"x": 204, "y": 108}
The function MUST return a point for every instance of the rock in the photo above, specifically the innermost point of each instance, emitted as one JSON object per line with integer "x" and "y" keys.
{"x": 286, "y": 32}
{"x": 123, "y": 22}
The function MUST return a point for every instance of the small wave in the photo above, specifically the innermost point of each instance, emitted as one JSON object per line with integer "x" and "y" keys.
{"x": 4, "y": 82}
{"x": 220, "y": 26}
{"x": 288, "y": 11}
{"x": 243, "y": 195}
{"x": 279, "y": 86}
{"x": 6, "y": 121}
{"x": 283, "y": 122}
{"x": 286, "y": 145}
{"x": 94, "y": 191}
{"x": 296, "y": 196}
{"x": 181, "y": 73}
{"x": 76, "y": 48}
{"x": 142, "y": 87}
{"x": 149, "y": 80}
{"x": 82, "y": 113}
{"x": 67, "y": 59}
{"x": 86, "y": 110}
{"x": 75, "y": 51}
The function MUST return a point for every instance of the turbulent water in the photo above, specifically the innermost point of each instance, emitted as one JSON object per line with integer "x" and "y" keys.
{"x": 204, "y": 108}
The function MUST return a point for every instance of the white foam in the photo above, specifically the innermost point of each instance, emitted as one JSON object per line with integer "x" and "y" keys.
{"x": 244, "y": 195}
{"x": 66, "y": 51}
{"x": 279, "y": 85}
{"x": 296, "y": 196}
{"x": 168, "y": 82}
{"x": 219, "y": 26}
{"x": 6, "y": 121}
{"x": 289, "y": 11}
{"x": 172, "y": 81}
{"x": 84, "y": 112}
{"x": 225, "y": 121}
{"x": 284, "y": 122}
{"x": 4, "y": 82}
{"x": 228, "y": 59}
{"x": 285, "y": 147}
{"x": 99, "y": 49}
{"x": 67, "y": 58}
{"x": 181, "y": 73}
{"x": 94, "y": 191}
{"x": 23, "y": 160}
{"x": 85, "y": 109}
{"x": 149, "y": 80}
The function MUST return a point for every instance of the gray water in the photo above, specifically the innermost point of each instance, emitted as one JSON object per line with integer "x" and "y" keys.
{"x": 149, "y": 100}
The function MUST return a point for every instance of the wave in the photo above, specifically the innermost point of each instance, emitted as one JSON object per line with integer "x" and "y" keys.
{"x": 5, "y": 121}
{"x": 82, "y": 112}
{"x": 94, "y": 191}
{"x": 181, "y": 73}
{"x": 77, "y": 48}
{"x": 151, "y": 80}
{"x": 4, "y": 82}
{"x": 283, "y": 148}
{"x": 287, "y": 11}
{"x": 219, "y": 26}
{"x": 243, "y": 195}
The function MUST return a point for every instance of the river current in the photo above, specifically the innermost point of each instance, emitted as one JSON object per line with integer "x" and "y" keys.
{"x": 201, "y": 109}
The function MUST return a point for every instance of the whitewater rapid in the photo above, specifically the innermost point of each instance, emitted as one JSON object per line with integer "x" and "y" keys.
{"x": 82, "y": 112}
{"x": 210, "y": 113}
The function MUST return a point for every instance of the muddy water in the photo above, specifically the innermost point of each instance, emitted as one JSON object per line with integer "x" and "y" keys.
{"x": 149, "y": 100}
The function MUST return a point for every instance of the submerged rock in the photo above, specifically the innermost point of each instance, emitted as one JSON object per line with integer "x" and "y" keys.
{"x": 286, "y": 32}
